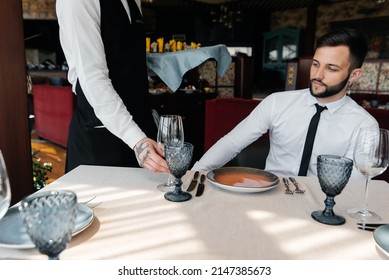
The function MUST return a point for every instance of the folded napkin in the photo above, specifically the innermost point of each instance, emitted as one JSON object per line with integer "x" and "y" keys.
{"x": 171, "y": 67}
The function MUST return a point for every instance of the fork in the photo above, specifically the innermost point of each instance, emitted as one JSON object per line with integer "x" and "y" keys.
{"x": 286, "y": 183}
{"x": 296, "y": 185}
{"x": 91, "y": 205}
{"x": 88, "y": 200}
{"x": 370, "y": 226}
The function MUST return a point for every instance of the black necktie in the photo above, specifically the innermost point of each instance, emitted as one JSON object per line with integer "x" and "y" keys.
{"x": 309, "y": 141}
{"x": 136, "y": 16}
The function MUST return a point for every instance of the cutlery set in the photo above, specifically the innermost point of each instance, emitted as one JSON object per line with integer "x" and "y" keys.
{"x": 369, "y": 226}
{"x": 200, "y": 187}
{"x": 296, "y": 185}
{"x": 195, "y": 182}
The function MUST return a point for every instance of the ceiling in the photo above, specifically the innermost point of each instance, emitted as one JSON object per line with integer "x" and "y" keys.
{"x": 263, "y": 5}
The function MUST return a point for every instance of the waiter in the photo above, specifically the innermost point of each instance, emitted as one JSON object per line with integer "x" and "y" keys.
{"x": 104, "y": 45}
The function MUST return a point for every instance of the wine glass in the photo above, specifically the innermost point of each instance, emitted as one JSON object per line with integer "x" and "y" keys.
{"x": 371, "y": 159}
{"x": 333, "y": 173}
{"x": 170, "y": 132}
{"x": 49, "y": 218}
{"x": 5, "y": 189}
{"x": 178, "y": 159}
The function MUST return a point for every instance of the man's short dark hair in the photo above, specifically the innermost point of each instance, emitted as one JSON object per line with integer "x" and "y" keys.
{"x": 350, "y": 38}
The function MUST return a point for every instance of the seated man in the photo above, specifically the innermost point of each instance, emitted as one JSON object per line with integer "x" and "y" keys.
{"x": 287, "y": 115}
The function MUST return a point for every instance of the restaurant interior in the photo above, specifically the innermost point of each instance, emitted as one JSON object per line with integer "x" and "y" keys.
{"x": 271, "y": 43}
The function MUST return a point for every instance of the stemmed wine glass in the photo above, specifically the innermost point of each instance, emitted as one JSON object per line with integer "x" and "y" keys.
{"x": 333, "y": 173}
{"x": 178, "y": 159}
{"x": 170, "y": 132}
{"x": 371, "y": 159}
{"x": 49, "y": 218}
{"x": 5, "y": 189}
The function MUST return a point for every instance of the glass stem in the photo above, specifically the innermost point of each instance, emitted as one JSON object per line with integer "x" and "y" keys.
{"x": 177, "y": 183}
{"x": 53, "y": 257}
{"x": 364, "y": 209}
{"x": 329, "y": 203}
{"x": 170, "y": 181}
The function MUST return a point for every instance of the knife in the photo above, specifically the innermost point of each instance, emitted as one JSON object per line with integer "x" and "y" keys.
{"x": 286, "y": 183}
{"x": 193, "y": 184}
{"x": 200, "y": 188}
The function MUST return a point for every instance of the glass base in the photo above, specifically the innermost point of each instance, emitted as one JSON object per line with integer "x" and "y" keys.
{"x": 363, "y": 216}
{"x": 178, "y": 197}
{"x": 328, "y": 220}
{"x": 165, "y": 187}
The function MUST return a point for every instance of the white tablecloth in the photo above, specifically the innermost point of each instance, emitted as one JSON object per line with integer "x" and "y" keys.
{"x": 134, "y": 221}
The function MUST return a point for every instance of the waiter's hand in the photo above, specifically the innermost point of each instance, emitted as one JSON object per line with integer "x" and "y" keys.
{"x": 149, "y": 155}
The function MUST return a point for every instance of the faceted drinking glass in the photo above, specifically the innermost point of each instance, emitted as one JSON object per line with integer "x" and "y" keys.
{"x": 178, "y": 159}
{"x": 333, "y": 173}
{"x": 49, "y": 218}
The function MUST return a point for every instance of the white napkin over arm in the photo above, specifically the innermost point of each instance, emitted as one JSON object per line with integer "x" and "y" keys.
{"x": 171, "y": 67}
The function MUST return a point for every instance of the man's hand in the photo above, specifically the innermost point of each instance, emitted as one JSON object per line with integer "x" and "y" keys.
{"x": 149, "y": 155}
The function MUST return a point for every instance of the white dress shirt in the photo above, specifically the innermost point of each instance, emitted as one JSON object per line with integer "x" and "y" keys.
{"x": 286, "y": 115}
{"x": 79, "y": 22}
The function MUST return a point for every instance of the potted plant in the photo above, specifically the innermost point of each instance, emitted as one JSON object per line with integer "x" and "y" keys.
{"x": 39, "y": 171}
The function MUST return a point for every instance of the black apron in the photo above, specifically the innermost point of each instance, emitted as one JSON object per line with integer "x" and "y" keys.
{"x": 124, "y": 44}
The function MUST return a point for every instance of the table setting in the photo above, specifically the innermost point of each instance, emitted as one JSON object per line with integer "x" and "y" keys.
{"x": 230, "y": 213}
{"x": 135, "y": 221}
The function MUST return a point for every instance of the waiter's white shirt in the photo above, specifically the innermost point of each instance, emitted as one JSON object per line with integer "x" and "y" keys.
{"x": 286, "y": 115}
{"x": 79, "y": 22}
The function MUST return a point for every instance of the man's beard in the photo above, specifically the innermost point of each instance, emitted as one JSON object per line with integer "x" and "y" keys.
{"x": 330, "y": 91}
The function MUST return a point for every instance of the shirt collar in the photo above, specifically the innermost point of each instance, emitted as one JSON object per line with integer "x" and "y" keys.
{"x": 332, "y": 106}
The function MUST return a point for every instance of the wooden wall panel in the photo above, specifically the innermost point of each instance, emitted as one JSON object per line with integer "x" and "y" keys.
{"x": 15, "y": 141}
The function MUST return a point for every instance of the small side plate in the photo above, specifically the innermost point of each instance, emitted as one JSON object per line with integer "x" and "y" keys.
{"x": 381, "y": 237}
{"x": 14, "y": 235}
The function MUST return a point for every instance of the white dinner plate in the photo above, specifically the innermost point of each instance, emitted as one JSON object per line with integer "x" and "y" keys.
{"x": 14, "y": 235}
{"x": 381, "y": 237}
{"x": 243, "y": 179}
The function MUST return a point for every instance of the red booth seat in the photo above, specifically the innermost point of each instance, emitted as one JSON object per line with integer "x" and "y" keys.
{"x": 53, "y": 110}
{"x": 221, "y": 116}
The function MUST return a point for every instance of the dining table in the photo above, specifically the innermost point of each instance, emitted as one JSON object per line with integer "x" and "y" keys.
{"x": 133, "y": 220}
